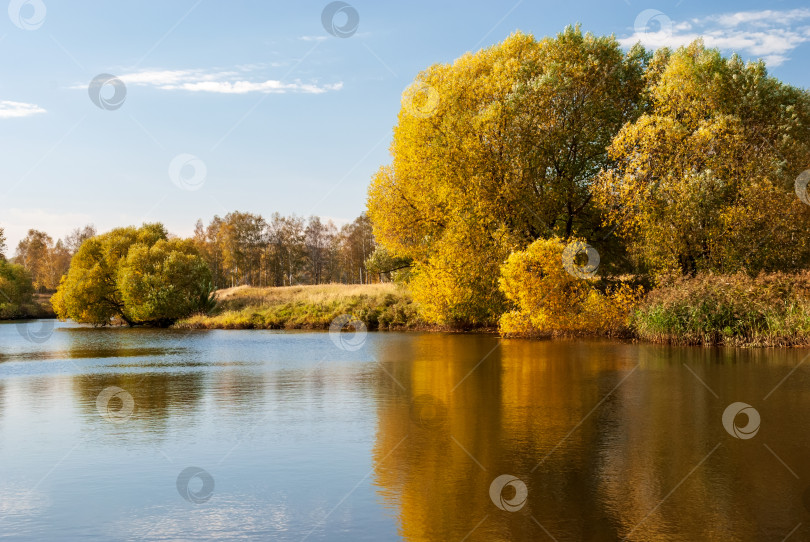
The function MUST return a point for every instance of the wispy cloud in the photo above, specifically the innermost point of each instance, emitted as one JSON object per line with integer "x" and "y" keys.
{"x": 243, "y": 87}
{"x": 15, "y": 110}
{"x": 223, "y": 82}
{"x": 767, "y": 34}
{"x": 236, "y": 81}
{"x": 313, "y": 38}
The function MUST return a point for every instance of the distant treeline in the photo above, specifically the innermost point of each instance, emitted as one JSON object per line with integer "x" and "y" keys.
{"x": 239, "y": 248}
{"x": 39, "y": 265}
{"x": 245, "y": 249}
{"x": 45, "y": 260}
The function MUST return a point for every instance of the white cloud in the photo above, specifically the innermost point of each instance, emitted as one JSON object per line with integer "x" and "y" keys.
{"x": 767, "y": 34}
{"x": 221, "y": 82}
{"x": 762, "y": 18}
{"x": 313, "y": 38}
{"x": 14, "y": 110}
{"x": 162, "y": 78}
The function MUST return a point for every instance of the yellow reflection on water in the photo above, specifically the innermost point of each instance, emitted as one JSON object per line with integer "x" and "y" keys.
{"x": 612, "y": 440}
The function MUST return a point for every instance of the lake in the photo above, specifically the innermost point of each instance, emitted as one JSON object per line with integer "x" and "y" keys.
{"x": 138, "y": 434}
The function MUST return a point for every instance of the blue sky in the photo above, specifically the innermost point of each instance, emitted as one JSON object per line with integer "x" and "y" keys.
{"x": 258, "y": 107}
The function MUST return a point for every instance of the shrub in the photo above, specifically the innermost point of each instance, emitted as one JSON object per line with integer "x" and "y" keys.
{"x": 550, "y": 300}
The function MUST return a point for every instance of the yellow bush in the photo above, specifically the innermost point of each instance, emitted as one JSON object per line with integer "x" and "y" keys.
{"x": 550, "y": 300}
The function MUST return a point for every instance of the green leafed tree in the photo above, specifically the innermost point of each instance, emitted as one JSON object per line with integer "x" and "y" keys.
{"x": 16, "y": 291}
{"x": 136, "y": 275}
{"x": 164, "y": 282}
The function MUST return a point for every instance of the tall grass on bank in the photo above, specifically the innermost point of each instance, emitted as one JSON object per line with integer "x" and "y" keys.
{"x": 378, "y": 306}
{"x": 734, "y": 310}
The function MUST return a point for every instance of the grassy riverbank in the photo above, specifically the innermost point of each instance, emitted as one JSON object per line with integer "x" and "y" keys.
{"x": 378, "y": 306}
{"x": 709, "y": 310}
{"x": 732, "y": 310}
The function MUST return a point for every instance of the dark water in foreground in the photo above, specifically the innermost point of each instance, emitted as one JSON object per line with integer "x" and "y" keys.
{"x": 252, "y": 435}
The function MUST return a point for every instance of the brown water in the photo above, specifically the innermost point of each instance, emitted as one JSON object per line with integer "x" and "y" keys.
{"x": 250, "y": 435}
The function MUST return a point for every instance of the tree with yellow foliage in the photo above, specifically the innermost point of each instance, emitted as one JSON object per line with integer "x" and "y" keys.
{"x": 495, "y": 151}
{"x": 704, "y": 181}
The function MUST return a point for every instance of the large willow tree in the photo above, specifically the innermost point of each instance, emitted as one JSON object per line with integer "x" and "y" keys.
{"x": 494, "y": 151}
{"x": 137, "y": 275}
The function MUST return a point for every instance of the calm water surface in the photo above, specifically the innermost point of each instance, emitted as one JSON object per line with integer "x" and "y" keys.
{"x": 397, "y": 437}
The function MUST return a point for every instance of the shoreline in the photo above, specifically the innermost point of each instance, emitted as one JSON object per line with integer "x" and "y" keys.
{"x": 484, "y": 330}
{"x": 390, "y": 307}
{"x": 38, "y": 309}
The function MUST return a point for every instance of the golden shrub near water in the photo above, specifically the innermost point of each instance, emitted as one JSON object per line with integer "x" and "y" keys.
{"x": 550, "y": 301}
